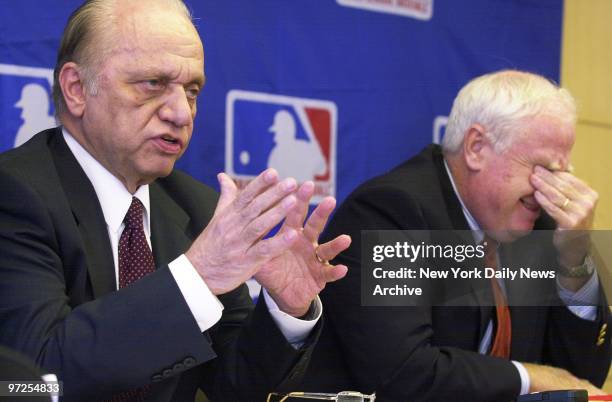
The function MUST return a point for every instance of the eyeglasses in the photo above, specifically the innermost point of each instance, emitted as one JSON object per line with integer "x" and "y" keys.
{"x": 344, "y": 396}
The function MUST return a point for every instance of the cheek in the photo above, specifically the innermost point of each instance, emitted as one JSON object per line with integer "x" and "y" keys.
{"x": 515, "y": 184}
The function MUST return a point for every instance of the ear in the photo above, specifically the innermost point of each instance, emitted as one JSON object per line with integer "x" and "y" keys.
{"x": 476, "y": 146}
{"x": 72, "y": 88}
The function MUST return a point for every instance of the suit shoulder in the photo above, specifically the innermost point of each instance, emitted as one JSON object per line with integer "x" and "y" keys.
{"x": 182, "y": 181}
{"x": 30, "y": 156}
{"x": 416, "y": 179}
{"x": 410, "y": 196}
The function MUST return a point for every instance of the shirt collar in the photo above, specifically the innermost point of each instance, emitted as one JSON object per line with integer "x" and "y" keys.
{"x": 476, "y": 231}
{"x": 114, "y": 198}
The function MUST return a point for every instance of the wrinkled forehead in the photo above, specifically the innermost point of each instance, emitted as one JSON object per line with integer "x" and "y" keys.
{"x": 549, "y": 142}
{"x": 140, "y": 25}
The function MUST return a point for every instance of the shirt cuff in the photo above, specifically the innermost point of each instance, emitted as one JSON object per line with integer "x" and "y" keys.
{"x": 294, "y": 329}
{"x": 50, "y": 379}
{"x": 203, "y": 304}
{"x": 583, "y": 303}
{"x": 525, "y": 380}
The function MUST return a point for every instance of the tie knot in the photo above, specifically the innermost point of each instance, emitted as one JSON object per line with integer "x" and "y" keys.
{"x": 133, "y": 217}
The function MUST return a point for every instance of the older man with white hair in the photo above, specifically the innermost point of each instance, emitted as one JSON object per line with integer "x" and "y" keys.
{"x": 503, "y": 170}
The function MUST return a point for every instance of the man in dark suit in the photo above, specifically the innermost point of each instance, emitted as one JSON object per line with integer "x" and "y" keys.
{"x": 124, "y": 277}
{"x": 502, "y": 170}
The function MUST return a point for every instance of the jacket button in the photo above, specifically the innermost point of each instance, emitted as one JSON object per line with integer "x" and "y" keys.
{"x": 189, "y": 362}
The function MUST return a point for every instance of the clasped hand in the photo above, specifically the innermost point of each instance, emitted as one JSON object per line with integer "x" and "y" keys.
{"x": 232, "y": 248}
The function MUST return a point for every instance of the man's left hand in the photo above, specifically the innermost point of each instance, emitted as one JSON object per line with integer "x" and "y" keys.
{"x": 296, "y": 277}
{"x": 571, "y": 203}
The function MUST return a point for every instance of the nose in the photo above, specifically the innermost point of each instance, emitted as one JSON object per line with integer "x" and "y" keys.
{"x": 176, "y": 108}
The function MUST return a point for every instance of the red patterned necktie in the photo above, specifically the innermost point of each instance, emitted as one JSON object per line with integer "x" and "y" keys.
{"x": 135, "y": 261}
{"x": 135, "y": 256}
{"x": 503, "y": 335}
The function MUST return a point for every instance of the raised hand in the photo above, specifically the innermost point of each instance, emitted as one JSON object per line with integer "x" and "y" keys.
{"x": 571, "y": 203}
{"x": 295, "y": 277}
{"x": 230, "y": 249}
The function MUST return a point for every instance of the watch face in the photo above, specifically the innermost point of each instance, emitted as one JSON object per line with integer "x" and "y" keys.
{"x": 586, "y": 269}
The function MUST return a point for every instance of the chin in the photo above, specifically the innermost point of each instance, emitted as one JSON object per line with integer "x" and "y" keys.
{"x": 161, "y": 169}
{"x": 164, "y": 173}
{"x": 515, "y": 232}
{"x": 518, "y": 233}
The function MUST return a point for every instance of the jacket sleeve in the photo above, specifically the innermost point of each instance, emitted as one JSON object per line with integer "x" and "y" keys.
{"x": 580, "y": 346}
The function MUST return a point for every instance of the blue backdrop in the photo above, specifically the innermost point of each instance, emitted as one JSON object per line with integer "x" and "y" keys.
{"x": 362, "y": 80}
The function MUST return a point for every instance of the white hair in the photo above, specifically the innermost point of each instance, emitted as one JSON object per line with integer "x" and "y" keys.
{"x": 501, "y": 102}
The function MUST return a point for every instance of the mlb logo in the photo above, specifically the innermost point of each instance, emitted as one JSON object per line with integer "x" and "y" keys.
{"x": 295, "y": 136}
{"x": 26, "y": 106}
{"x": 439, "y": 128}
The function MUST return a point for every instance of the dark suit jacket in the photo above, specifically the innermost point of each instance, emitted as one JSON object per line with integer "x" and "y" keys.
{"x": 58, "y": 303}
{"x": 430, "y": 354}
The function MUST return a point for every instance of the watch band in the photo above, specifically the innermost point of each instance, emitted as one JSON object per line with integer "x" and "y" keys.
{"x": 579, "y": 271}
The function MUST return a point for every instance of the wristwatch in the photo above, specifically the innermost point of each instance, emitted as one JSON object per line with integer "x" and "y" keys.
{"x": 579, "y": 271}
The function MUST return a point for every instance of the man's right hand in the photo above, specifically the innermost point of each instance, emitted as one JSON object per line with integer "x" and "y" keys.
{"x": 548, "y": 378}
{"x": 231, "y": 249}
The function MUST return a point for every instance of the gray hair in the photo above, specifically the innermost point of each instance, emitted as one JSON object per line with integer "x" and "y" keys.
{"x": 83, "y": 42}
{"x": 501, "y": 102}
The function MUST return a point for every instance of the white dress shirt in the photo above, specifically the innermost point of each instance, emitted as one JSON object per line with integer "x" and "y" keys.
{"x": 205, "y": 307}
{"x": 588, "y": 294}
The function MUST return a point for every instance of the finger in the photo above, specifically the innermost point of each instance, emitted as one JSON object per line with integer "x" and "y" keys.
{"x": 579, "y": 185}
{"x": 259, "y": 184}
{"x": 267, "y": 199}
{"x": 553, "y": 210}
{"x": 228, "y": 191}
{"x": 556, "y": 180}
{"x": 334, "y": 272}
{"x": 585, "y": 195}
{"x": 295, "y": 219}
{"x": 552, "y": 193}
{"x": 267, "y": 249}
{"x": 260, "y": 226}
{"x": 328, "y": 251}
{"x": 317, "y": 220}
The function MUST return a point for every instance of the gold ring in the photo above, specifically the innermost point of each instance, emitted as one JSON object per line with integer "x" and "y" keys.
{"x": 565, "y": 203}
{"x": 321, "y": 260}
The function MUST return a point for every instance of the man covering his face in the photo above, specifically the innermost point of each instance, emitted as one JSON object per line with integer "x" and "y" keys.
{"x": 502, "y": 171}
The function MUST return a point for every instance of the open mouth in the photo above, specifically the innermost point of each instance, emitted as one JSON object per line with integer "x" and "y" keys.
{"x": 169, "y": 144}
{"x": 169, "y": 139}
{"x": 530, "y": 203}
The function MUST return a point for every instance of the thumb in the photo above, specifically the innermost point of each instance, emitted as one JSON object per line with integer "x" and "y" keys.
{"x": 228, "y": 191}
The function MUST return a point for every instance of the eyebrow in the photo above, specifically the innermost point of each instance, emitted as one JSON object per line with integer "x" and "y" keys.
{"x": 200, "y": 80}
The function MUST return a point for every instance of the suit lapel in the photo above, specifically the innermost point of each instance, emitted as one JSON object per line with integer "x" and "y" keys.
{"x": 88, "y": 216}
{"x": 169, "y": 223}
